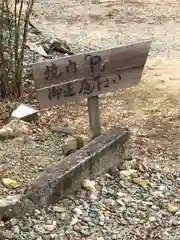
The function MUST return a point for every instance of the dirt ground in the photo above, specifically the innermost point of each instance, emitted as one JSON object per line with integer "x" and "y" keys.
{"x": 150, "y": 110}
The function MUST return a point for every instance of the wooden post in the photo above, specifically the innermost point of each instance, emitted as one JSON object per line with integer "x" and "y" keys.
{"x": 94, "y": 116}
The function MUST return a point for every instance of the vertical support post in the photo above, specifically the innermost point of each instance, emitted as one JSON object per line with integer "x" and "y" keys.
{"x": 94, "y": 116}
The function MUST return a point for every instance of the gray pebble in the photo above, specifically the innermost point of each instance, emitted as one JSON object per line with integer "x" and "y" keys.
{"x": 13, "y": 221}
{"x": 40, "y": 229}
{"x": 16, "y": 229}
{"x": 59, "y": 209}
{"x": 85, "y": 232}
{"x": 8, "y": 234}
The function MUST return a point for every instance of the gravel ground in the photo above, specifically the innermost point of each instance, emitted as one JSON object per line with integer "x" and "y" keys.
{"x": 30, "y": 156}
{"x": 124, "y": 208}
{"x": 103, "y": 24}
{"x": 138, "y": 204}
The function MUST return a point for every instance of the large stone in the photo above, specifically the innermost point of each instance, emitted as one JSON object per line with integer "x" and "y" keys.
{"x": 25, "y": 113}
{"x": 60, "y": 46}
{"x": 70, "y": 145}
{"x": 13, "y": 206}
{"x": 15, "y": 128}
{"x": 90, "y": 161}
{"x": 63, "y": 130}
{"x": 6, "y": 204}
{"x": 82, "y": 140}
{"x": 8, "y": 235}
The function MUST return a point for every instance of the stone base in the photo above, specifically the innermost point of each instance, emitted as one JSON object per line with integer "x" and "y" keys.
{"x": 95, "y": 158}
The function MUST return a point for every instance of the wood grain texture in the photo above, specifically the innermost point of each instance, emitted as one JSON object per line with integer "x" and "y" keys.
{"x": 88, "y": 87}
{"x": 94, "y": 116}
{"x": 114, "y": 59}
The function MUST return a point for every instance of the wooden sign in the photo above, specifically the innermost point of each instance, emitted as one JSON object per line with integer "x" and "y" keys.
{"x": 80, "y": 66}
{"x": 88, "y": 87}
{"x": 87, "y": 75}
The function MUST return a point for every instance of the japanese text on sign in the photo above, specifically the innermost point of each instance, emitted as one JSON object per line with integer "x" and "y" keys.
{"x": 73, "y": 78}
{"x": 53, "y": 72}
{"x": 86, "y": 87}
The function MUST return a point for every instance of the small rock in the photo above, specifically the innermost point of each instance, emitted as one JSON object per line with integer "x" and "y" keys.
{"x": 39, "y": 238}
{"x": 109, "y": 202}
{"x": 101, "y": 223}
{"x": 37, "y": 212}
{"x": 70, "y": 145}
{"x": 50, "y": 227}
{"x": 54, "y": 236}
{"x": 59, "y": 209}
{"x": 177, "y": 213}
{"x": 127, "y": 165}
{"x": 8, "y": 234}
{"x": 128, "y": 173}
{"x": 40, "y": 229}
{"x": 9, "y": 183}
{"x": 78, "y": 211}
{"x": 119, "y": 194}
{"x": 155, "y": 208}
{"x": 141, "y": 166}
{"x": 32, "y": 233}
{"x": 94, "y": 195}
{"x": 114, "y": 172}
{"x": 158, "y": 194}
{"x": 152, "y": 219}
{"x": 63, "y": 216}
{"x": 13, "y": 221}
{"x": 163, "y": 188}
{"x": 46, "y": 237}
{"x": 89, "y": 185}
{"x": 2, "y": 225}
{"x": 85, "y": 232}
{"x": 74, "y": 221}
{"x": 16, "y": 229}
{"x": 120, "y": 202}
{"x": 174, "y": 222}
{"x": 172, "y": 208}
{"x": 140, "y": 181}
{"x": 25, "y": 113}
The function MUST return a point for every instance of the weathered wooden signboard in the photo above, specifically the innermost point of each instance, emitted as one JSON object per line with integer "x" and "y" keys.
{"x": 87, "y": 75}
